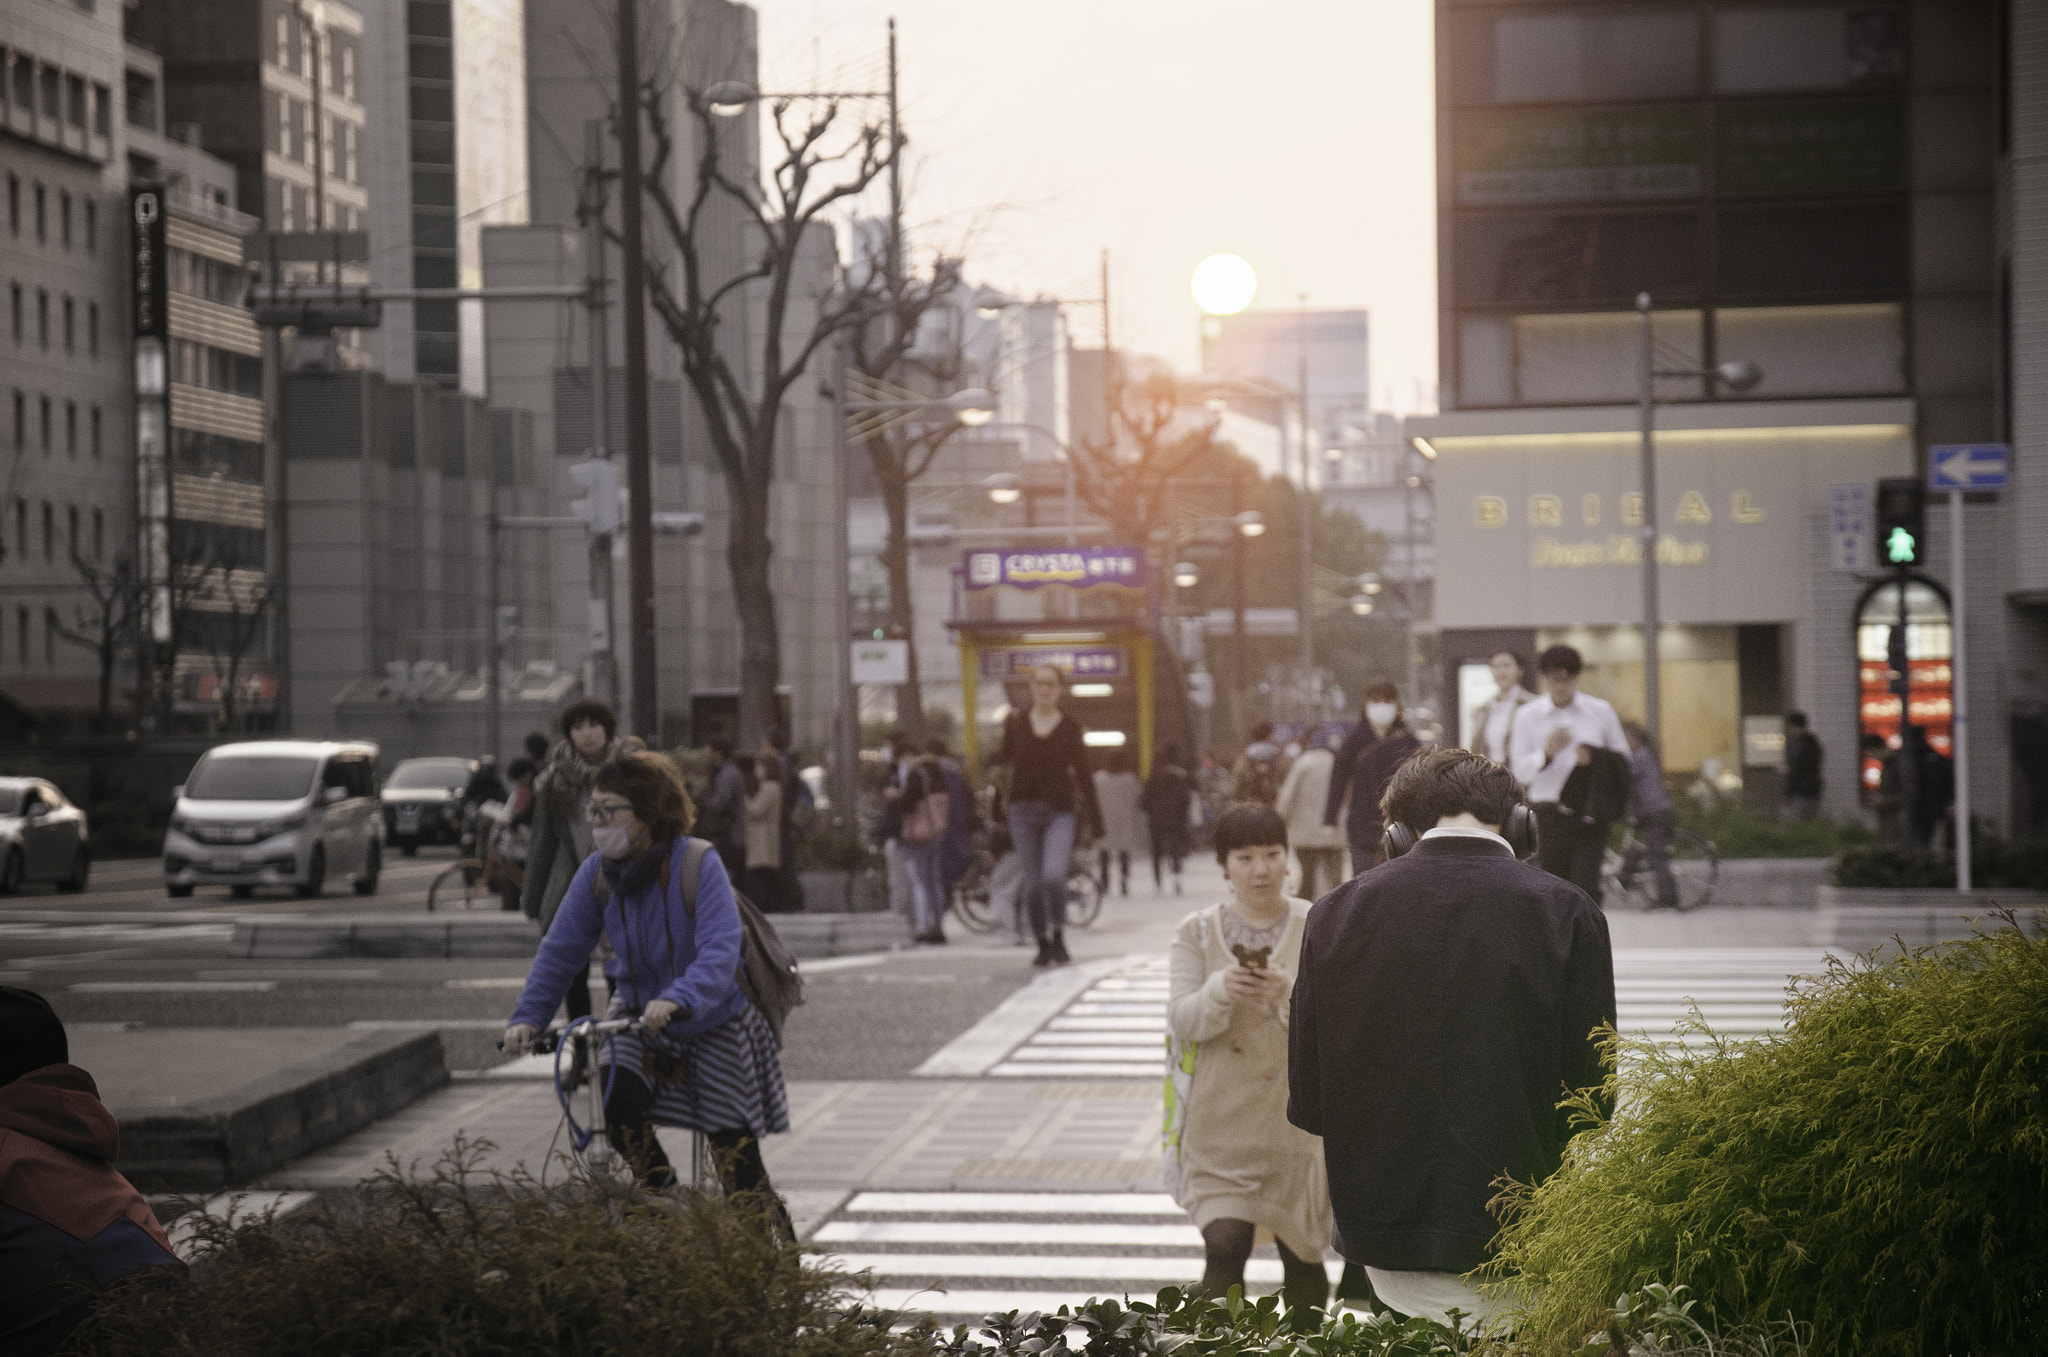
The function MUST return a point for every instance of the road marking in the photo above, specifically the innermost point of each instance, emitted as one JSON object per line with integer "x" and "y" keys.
{"x": 841, "y": 963}
{"x": 427, "y": 1024}
{"x": 488, "y": 982}
{"x": 982, "y": 1046}
{"x": 271, "y": 973}
{"x": 174, "y": 987}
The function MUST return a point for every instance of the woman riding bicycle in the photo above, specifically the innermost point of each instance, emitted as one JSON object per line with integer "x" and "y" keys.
{"x": 706, "y": 1059}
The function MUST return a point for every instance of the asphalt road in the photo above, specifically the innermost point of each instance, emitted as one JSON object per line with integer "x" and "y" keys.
{"x": 868, "y": 1021}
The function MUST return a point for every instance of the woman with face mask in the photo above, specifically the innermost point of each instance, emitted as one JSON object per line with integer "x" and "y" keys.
{"x": 1366, "y": 761}
{"x": 1232, "y": 1159}
{"x": 707, "y": 1059}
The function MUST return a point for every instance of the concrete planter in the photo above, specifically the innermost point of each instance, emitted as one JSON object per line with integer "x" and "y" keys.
{"x": 844, "y": 892}
{"x": 824, "y": 935}
{"x": 1859, "y": 918}
{"x": 1765, "y": 883}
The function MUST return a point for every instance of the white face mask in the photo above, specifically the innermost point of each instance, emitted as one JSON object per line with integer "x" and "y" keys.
{"x": 614, "y": 841}
{"x": 1381, "y": 713}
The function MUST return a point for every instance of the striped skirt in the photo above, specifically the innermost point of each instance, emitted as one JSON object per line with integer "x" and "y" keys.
{"x": 731, "y": 1075}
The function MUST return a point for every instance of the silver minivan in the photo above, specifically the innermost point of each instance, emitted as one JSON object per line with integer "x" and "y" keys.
{"x": 291, "y": 813}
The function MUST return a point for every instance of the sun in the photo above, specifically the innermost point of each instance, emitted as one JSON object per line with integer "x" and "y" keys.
{"x": 1224, "y": 284}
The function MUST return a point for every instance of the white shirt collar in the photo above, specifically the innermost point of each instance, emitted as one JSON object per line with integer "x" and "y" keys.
{"x": 1467, "y": 832}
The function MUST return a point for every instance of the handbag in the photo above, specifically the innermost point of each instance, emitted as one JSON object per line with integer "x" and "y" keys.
{"x": 927, "y": 819}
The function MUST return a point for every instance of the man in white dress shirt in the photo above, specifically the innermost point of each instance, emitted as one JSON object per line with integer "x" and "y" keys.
{"x": 1552, "y": 737}
{"x": 1496, "y": 719}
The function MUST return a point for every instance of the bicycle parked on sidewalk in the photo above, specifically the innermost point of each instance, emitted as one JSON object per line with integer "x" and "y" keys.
{"x": 973, "y": 902}
{"x": 492, "y": 871}
{"x": 1626, "y": 876}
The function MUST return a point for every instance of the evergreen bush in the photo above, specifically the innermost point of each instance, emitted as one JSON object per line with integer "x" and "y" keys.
{"x": 1995, "y": 864}
{"x": 1739, "y": 833}
{"x": 1878, "y": 1170}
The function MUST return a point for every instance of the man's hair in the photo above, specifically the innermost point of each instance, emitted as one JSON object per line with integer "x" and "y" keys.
{"x": 720, "y": 745}
{"x": 654, "y": 786}
{"x": 899, "y": 743}
{"x": 537, "y": 747}
{"x": 1443, "y": 781}
{"x": 31, "y": 1034}
{"x": 1560, "y": 660}
{"x": 521, "y": 767}
{"x": 590, "y": 709}
{"x": 936, "y": 747}
{"x": 778, "y": 740}
{"x": 1796, "y": 720}
{"x": 1247, "y": 824}
{"x": 1382, "y": 690}
{"x": 1262, "y": 731}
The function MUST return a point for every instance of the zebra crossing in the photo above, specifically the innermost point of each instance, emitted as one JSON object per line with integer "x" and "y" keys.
{"x": 1116, "y": 1027}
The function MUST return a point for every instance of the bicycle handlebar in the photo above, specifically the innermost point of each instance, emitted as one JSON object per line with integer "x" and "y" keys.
{"x": 545, "y": 1043}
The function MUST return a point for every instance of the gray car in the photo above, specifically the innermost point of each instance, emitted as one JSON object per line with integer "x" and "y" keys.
{"x": 43, "y": 837}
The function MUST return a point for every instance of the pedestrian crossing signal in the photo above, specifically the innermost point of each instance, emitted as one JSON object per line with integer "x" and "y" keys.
{"x": 1901, "y": 519}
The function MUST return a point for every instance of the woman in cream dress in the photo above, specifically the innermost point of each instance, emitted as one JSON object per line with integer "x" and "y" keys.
{"x": 1233, "y": 1160}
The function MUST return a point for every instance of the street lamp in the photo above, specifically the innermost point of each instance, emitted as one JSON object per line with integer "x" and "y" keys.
{"x": 1737, "y": 375}
{"x": 973, "y": 407}
{"x": 1251, "y": 523}
{"x": 1361, "y": 606}
{"x": 1185, "y": 575}
{"x": 1004, "y": 487}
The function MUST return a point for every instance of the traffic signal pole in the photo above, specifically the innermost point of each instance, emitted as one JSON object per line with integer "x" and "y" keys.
{"x": 1959, "y": 729}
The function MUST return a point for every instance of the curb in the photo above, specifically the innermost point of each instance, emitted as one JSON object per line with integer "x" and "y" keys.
{"x": 221, "y": 1142}
{"x": 291, "y": 936}
{"x": 1859, "y": 919}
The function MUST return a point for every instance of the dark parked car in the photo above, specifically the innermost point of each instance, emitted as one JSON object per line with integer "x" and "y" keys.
{"x": 42, "y": 836}
{"x": 423, "y": 802}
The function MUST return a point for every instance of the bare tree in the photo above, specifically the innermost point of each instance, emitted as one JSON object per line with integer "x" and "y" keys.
{"x": 238, "y": 603}
{"x": 106, "y": 625}
{"x": 885, "y": 365}
{"x": 820, "y": 168}
{"x": 1127, "y": 475}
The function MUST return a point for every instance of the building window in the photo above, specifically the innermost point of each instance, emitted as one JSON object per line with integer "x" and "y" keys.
{"x": 21, "y": 634}
{"x": 70, "y": 428}
{"x": 43, "y": 317}
{"x": 50, "y": 637}
{"x": 92, "y": 328}
{"x": 24, "y": 80}
{"x": 92, "y": 225}
{"x": 42, "y": 214}
{"x": 99, "y": 533}
{"x": 52, "y": 83}
{"x": 102, "y": 110}
{"x": 95, "y": 432}
{"x": 64, "y": 218}
{"x": 74, "y": 101}
{"x": 45, "y": 403}
{"x": 13, "y": 203}
{"x": 70, "y": 326}
{"x": 20, "y": 423}
{"x": 71, "y": 531}
{"x": 141, "y": 90}
{"x": 49, "y": 532}
{"x": 14, "y": 308}
{"x": 21, "y": 527}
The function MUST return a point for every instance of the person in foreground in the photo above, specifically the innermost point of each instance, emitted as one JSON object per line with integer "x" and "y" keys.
{"x": 1232, "y": 1161}
{"x": 708, "y": 1059}
{"x": 1445, "y": 1003}
{"x": 70, "y": 1224}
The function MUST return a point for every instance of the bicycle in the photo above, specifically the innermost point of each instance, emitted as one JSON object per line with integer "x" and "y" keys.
{"x": 1625, "y": 873}
{"x": 493, "y": 873}
{"x": 587, "y": 1141}
{"x": 973, "y": 906}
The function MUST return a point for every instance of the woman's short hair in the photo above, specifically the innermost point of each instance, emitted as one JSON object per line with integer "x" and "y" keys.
{"x": 1059, "y": 675}
{"x": 1247, "y": 824}
{"x": 1560, "y": 660}
{"x": 655, "y": 787}
{"x": 1443, "y": 781}
{"x": 590, "y": 709}
{"x": 1382, "y": 690}
{"x": 1514, "y": 655}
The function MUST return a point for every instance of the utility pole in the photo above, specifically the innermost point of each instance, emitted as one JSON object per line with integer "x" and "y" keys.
{"x": 1308, "y": 513}
{"x": 1653, "y": 705}
{"x": 644, "y": 717}
{"x": 895, "y": 181}
{"x": 603, "y": 680}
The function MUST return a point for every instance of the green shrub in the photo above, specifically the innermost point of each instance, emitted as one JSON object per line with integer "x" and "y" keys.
{"x": 830, "y": 849}
{"x": 1738, "y": 833}
{"x": 464, "y": 1263}
{"x": 1995, "y": 864}
{"x": 1878, "y": 1170}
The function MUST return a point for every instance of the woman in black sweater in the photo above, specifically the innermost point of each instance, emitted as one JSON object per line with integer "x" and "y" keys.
{"x": 1048, "y": 762}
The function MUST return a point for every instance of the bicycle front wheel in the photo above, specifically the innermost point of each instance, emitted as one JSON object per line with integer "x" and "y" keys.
{"x": 454, "y": 886}
{"x": 1084, "y": 897}
{"x": 1696, "y": 883}
{"x": 971, "y": 903}
{"x": 1624, "y": 882}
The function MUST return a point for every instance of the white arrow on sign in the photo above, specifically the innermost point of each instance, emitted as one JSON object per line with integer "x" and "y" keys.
{"x": 1968, "y": 466}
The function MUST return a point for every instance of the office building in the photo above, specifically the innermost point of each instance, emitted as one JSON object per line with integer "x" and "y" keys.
{"x": 1835, "y": 193}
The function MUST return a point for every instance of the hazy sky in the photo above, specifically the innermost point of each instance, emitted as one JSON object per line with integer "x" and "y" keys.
{"x": 1296, "y": 133}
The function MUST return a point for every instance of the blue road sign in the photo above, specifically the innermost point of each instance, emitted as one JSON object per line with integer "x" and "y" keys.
{"x": 1849, "y": 526}
{"x": 1968, "y": 466}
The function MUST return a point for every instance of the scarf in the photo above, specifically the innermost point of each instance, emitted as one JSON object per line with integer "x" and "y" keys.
{"x": 570, "y": 775}
{"x": 630, "y": 876}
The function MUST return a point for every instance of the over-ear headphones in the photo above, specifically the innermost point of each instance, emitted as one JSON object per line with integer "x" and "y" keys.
{"x": 1519, "y": 831}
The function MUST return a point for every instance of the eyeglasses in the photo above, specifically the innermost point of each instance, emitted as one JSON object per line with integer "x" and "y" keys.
{"x": 608, "y": 813}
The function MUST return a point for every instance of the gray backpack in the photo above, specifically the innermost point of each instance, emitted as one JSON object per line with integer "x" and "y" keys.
{"x": 768, "y": 972}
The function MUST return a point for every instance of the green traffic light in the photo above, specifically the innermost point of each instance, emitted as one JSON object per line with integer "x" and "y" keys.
{"x": 1900, "y": 547}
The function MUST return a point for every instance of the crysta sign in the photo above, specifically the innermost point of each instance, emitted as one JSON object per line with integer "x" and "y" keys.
{"x": 1076, "y": 567}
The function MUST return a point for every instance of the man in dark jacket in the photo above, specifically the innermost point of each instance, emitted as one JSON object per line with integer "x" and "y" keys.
{"x": 1802, "y": 768}
{"x": 70, "y": 1224}
{"x": 1376, "y": 746}
{"x": 1442, "y": 1008}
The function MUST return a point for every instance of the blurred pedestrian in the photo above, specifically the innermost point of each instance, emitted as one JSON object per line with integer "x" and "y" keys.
{"x": 561, "y": 828}
{"x": 1650, "y": 802}
{"x": 537, "y": 748}
{"x": 1494, "y": 720}
{"x": 1256, "y": 775}
{"x": 1169, "y": 804}
{"x": 764, "y": 837}
{"x": 707, "y": 1059}
{"x": 71, "y": 1225}
{"x": 1554, "y": 740}
{"x": 723, "y": 821}
{"x": 1444, "y": 1005}
{"x": 1044, "y": 749}
{"x": 962, "y": 817}
{"x": 1802, "y": 769}
{"x": 799, "y": 808}
{"x": 1232, "y": 1160}
{"x": 924, "y": 807}
{"x": 1304, "y": 795}
{"x": 1365, "y": 764}
{"x": 1120, "y": 794}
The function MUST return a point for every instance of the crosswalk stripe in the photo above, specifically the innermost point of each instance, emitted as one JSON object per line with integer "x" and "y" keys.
{"x": 1004, "y": 1232}
{"x": 1017, "y": 1203}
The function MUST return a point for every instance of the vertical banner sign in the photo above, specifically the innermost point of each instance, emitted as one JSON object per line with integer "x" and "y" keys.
{"x": 149, "y": 287}
{"x": 1849, "y": 527}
